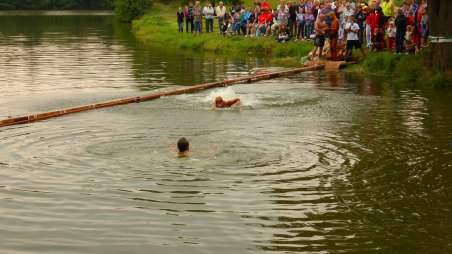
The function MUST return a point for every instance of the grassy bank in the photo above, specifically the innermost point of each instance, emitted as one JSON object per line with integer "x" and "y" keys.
{"x": 159, "y": 26}
{"x": 404, "y": 70}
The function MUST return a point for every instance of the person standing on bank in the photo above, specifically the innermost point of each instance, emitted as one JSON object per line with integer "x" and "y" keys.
{"x": 180, "y": 20}
{"x": 360, "y": 18}
{"x": 320, "y": 28}
{"x": 197, "y": 18}
{"x": 388, "y": 11}
{"x": 400, "y": 23}
{"x": 208, "y": 14}
{"x": 352, "y": 30}
{"x": 190, "y": 17}
{"x": 221, "y": 12}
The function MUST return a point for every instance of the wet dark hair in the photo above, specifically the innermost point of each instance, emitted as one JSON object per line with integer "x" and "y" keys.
{"x": 182, "y": 145}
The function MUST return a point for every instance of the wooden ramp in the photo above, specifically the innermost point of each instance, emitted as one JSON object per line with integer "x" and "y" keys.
{"x": 248, "y": 78}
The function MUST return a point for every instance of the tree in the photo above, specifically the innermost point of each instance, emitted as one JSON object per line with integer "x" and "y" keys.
{"x": 440, "y": 56}
{"x": 128, "y": 10}
{"x": 55, "y": 4}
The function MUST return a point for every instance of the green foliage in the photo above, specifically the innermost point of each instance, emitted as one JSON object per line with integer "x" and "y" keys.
{"x": 406, "y": 70}
{"x": 128, "y": 10}
{"x": 381, "y": 63}
{"x": 291, "y": 49}
{"x": 55, "y": 4}
{"x": 159, "y": 27}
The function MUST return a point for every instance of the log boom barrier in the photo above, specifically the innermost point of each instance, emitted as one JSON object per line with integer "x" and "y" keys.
{"x": 248, "y": 78}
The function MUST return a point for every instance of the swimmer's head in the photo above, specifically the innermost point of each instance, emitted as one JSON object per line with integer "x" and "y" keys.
{"x": 219, "y": 102}
{"x": 182, "y": 145}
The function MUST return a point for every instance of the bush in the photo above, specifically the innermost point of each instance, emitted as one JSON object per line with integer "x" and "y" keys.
{"x": 128, "y": 10}
{"x": 407, "y": 70}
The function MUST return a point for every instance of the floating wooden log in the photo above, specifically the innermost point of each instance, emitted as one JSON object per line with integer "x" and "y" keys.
{"x": 248, "y": 78}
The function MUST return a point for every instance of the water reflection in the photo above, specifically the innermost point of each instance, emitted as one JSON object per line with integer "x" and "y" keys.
{"x": 94, "y": 57}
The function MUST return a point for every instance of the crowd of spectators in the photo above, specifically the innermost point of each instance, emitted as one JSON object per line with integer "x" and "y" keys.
{"x": 376, "y": 24}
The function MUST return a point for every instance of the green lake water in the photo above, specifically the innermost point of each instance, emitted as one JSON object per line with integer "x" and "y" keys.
{"x": 318, "y": 162}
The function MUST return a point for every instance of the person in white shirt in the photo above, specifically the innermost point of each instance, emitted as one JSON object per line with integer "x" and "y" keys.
{"x": 348, "y": 11}
{"x": 283, "y": 3}
{"x": 352, "y": 4}
{"x": 391, "y": 35}
{"x": 352, "y": 29}
{"x": 208, "y": 12}
{"x": 333, "y": 5}
{"x": 220, "y": 11}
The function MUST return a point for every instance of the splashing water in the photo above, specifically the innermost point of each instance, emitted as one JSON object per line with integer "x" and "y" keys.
{"x": 227, "y": 93}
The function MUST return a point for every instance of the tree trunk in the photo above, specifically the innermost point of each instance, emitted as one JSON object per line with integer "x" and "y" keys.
{"x": 440, "y": 56}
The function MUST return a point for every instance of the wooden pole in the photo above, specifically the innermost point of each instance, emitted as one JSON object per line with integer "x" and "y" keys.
{"x": 248, "y": 78}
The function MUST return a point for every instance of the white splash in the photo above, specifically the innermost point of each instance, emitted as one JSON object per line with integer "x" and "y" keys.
{"x": 227, "y": 93}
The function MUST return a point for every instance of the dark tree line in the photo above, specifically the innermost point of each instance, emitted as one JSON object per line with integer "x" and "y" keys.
{"x": 57, "y": 4}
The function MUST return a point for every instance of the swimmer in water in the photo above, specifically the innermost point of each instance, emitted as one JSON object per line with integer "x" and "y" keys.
{"x": 220, "y": 103}
{"x": 183, "y": 148}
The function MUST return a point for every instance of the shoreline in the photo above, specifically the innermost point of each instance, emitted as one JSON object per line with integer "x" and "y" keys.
{"x": 159, "y": 26}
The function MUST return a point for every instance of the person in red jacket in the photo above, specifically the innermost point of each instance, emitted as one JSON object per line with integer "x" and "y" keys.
{"x": 410, "y": 18}
{"x": 376, "y": 21}
{"x": 261, "y": 27}
{"x": 265, "y": 5}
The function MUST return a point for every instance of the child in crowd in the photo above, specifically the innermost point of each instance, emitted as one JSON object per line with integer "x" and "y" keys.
{"x": 225, "y": 25}
{"x": 410, "y": 45}
{"x": 300, "y": 24}
{"x": 408, "y": 34}
{"x": 378, "y": 42}
{"x": 309, "y": 19}
{"x": 283, "y": 35}
{"x": 391, "y": 35}
{"x": 424, "y": 26}
{"x": 416, "y": 39}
